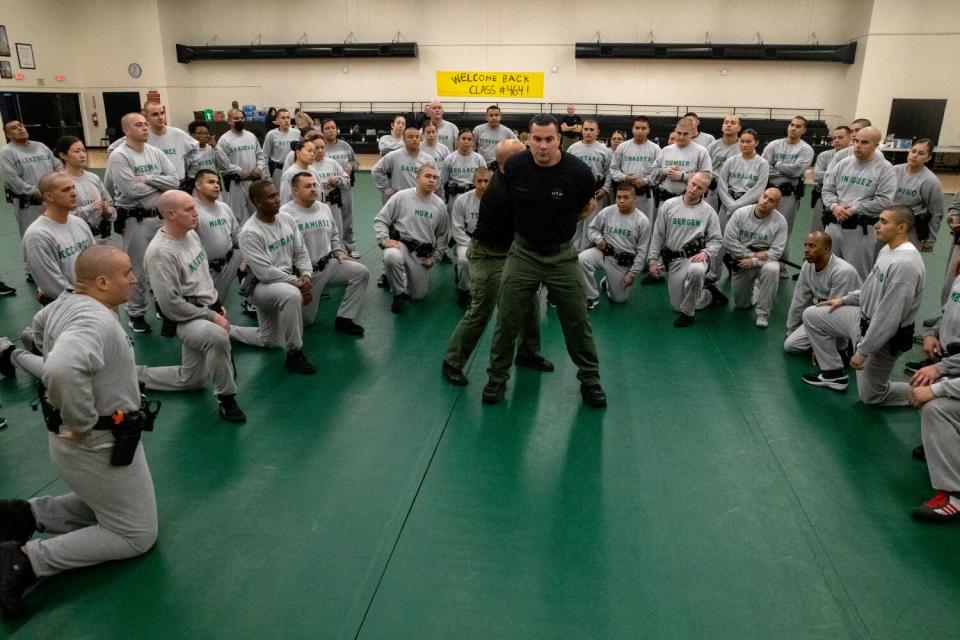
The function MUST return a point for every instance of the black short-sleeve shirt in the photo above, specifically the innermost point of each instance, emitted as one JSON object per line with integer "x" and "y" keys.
{"x": 495, "y": 220}
{"x": 571, "y": 121}
{"x": 547, "y": 200}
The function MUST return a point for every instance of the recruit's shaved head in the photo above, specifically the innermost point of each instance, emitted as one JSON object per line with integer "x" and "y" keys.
{"x": 49, "y": 182}
{"x": 870, "y": 133}
{"x": 95, "y": 261}
{"x": 507, "y": 148}
{"x": 173, "y": 199}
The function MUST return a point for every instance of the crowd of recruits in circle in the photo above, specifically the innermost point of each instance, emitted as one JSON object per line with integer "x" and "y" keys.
{"x": 287, "y": 237}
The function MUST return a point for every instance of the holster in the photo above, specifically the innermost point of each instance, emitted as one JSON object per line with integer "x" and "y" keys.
{"x": 335, "y": 197}
{"x": 733, "y": 263}
{"x": 922, "y": 224}
{"x": 103, "y": 229}
{"x": 321, "y": 264}
{"x": 688, "y": 250}
{"x": 273, "y": 166}
{"x": 661, "y": 195}
{"x": 248, "y": 282}
{"x": 452, "y": 189}
{"x": 24, "y": 200}
{"x": 713, "y": 183}
{"x": 623, "y": 258}
{"x": 816, "y": 196}
{"x": 188, "y": 185}
{"x": 902, "y": 340}
{"x": 228, "y": 180}
{"x": 217, "y": 265}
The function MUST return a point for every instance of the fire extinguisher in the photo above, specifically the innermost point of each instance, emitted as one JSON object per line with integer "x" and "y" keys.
{"x": 96, "y": 119}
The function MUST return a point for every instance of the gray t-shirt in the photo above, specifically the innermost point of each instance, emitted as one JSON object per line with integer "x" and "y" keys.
{"x": 678, "y": 223}
{"x": 180, "y": 277}
{"x": 317, "y": 227}
{"x": 275, "y": 252}
{"x": 217, "y": 228}
{"x": 836, "y": 280}
{"x": 625, "y": 233}
{"x": 125, "y": 165}
{"x": 414, "y": 218}
{"x": 23, "y": 166}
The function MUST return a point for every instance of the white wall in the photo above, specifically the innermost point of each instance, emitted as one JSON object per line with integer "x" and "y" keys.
{"x": 904, "y": 50}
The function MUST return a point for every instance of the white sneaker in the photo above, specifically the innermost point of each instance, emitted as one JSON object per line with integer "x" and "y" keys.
{"x": 763, "y": 322}
{"x": 355, "y": 254}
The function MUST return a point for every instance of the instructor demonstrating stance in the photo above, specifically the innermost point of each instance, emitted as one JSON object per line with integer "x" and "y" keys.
{"x": 550, "y": 191}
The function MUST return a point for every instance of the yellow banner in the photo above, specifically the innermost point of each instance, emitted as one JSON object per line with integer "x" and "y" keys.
{"x": 495, "y": 85}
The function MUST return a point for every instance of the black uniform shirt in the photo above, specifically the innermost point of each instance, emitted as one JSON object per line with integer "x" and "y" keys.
{"x": 571, "y": 121}
{"x": 547, "y": 200}
{"x": 495, "y": 221}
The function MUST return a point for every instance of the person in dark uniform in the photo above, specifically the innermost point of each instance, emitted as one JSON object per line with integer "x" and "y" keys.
{"x": 550, "y": 191}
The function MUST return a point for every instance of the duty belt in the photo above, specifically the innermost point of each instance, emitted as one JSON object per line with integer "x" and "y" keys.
{"x": 218, "y": 265}
{"x": 790, "y": 188}
{"x": 854, "y": 221}
{"x": 230, "y": 178}
{"x": 690, "y": 249}
{"x": 902, "y": 340}
{"x": 321, "y": 264}
{"x": 543, "y": 250}
{"x": 623, "y": 258}
{"x": 661, "y": 195}
{"x": 24, "y": 200}
{"x": 417, "y": 248}
{"x": 452, "y": 189}
{"x": 273, "y": 166}
{"x": 733, "y": 263}
{"x": 138, "y": 212}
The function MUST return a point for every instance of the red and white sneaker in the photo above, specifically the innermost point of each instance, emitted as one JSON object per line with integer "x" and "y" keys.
{"x": 942, "y": 507}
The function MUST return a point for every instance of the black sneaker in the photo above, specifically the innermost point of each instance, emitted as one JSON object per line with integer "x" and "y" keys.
{"x": 453, "y": 375}
{"x": 918, "y": 453}
{"x": 912, "y": 367}
{"x": 652, "y": 279}
{"x": 592, "y": 303}
{"x": 604, "y": 286}
{"x": 229, "y": 410}
{"x": 941, "y": 508}
{"x": 382, "y": 282}
{"x": 17, "y": 523}
{"x": 719, "y": 300}
{"x": 838, "y": 381}
{"x": 139, "y": 324}
{"x": 6, "y": 290}
{"x": 683, "y": 320}
{"x": 16, "y": 575}
{"x": 399, "y": 303}
{"x": 593, "y": 395}
{"x": 347, "y": 326}
{"x": 248, "y": 309}
{"x": 494, "y": 392}
{"x": 6, "y": 363}
{"x": 929, "y": 322}
{"x": 463, "y": 298}
{"x": 536, "y": 362}
{"x": 298, "y": 363}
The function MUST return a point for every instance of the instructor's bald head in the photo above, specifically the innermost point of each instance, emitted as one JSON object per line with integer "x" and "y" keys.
{"x": 507, "y": 148}
{"x": 103, "y": 272}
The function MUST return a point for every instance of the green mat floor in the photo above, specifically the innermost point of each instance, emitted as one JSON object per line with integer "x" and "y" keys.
{"x": 716, "y": 497}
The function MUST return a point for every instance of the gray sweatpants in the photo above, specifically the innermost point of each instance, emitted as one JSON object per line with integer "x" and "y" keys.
{"x": 873, "y": 381}
{"x": 590, "y": 260}
{"x": 856, "y": 247}
{"x": 685, "y": 286}
{"x": 352, "y": 274}
{"x": 797, "y": 342}
{"x": 950, "y": 275}
{"x": 463, "y": 268}
{"x": 280, "y": 317}
{"x": 767, "y": 280}
{"x": 238, "y": 199}
{"x": 406, "y": 272}
{"x": 136, "y": 237}
{"x": 111, "y": 514}
{"x": 788, "y": 208}
{"x": 223, "y": 279}
{"x": 205, "y": 349}
{"x": 940, "y": 427}
{"x": 346, "y": 217}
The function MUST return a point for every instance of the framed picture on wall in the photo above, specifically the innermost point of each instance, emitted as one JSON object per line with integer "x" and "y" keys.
{"x": 4, "y": 41}
{"x": 6, "y": 71}
{"x": 25, "y": 56}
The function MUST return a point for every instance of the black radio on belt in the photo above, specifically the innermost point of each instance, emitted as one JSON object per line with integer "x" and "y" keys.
{"x": 816, "y": 195}
{"x": 623, "y": 258}
{"x": 335, "y": 197}
{"x": 453, "y": 188}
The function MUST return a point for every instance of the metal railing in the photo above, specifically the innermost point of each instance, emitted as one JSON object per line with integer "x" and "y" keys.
{"x": 583, "y": 108}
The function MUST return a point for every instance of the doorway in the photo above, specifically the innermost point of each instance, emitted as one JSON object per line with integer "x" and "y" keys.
{"x": 117, "y": 104}
{"x": 47, "y": 116}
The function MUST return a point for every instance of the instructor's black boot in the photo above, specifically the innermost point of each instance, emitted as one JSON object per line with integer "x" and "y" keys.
{"x": 16, "y": 575}
{"x": 17, "y": 523}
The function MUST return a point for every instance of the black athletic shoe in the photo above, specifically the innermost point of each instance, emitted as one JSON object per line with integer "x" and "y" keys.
{"x": 30, "y": 279}
{"x": 719, "y": 300}
{"x": 463, "y": 299}
{"x": 604, "y": 286}
{"x": 298, "y": 363}
{"x": 683, "y": 320}
{"x": 494, "y": 392}
{"x": 652, "y": 279}
{"x": 248, "y": 309}
{"x": 453, "y": 375}
{"x": 941, "y": 508}
{"x": 6, "y": 290}
{"x": 139, "y": 324}
{"x": 399, "y": 303}
{"x": 912, "y": 367}
{"x": 382, "y": 282}
{"x": 17, "y": 523}
{"x": 16, "y": 575}
{"x": 6, "y": 363}
{"x": 230, "y": 410}
{"x": 537, "y": 362}
{"x": 838, "y": 381}
{"x": 918, "y": 453}
{"x": 593, "y": 395}
{"x": 929, "y": 322}
{"x": 347, "y": 326}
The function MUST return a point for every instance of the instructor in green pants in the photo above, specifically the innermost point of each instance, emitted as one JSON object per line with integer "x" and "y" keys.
{"x": 487, "y": 254}
{"x": 550, "y": 192}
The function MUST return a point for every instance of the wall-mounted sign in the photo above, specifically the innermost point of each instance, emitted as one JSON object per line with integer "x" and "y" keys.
{"x": 494, "y": 85}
